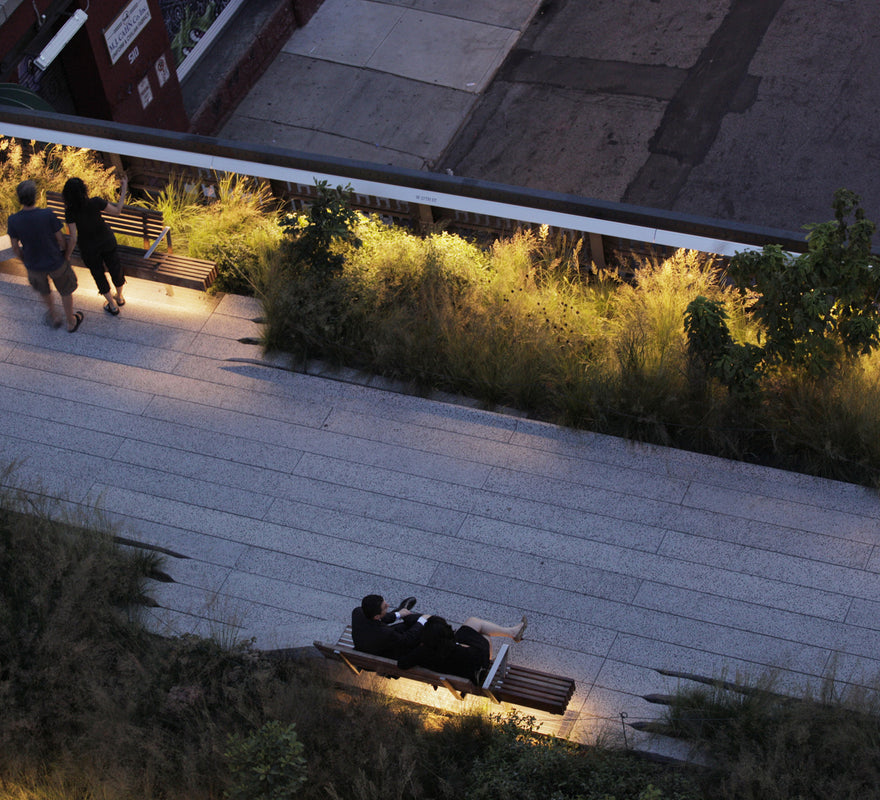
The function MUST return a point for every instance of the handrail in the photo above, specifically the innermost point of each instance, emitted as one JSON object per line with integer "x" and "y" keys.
{"x": 637, "y": 223}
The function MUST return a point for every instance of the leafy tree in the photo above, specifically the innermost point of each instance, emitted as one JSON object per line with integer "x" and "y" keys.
{"x": 713, "y": 351}
{"x": 815, "y": 309}
{"x": 330, "y": 220}
{"x": 822, "y": 305}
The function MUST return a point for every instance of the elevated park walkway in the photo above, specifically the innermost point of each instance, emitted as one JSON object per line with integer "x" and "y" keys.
{"x": 280, "y": 498}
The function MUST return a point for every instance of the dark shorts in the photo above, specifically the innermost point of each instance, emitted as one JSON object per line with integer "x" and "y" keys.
{"x": 64, "y": 279}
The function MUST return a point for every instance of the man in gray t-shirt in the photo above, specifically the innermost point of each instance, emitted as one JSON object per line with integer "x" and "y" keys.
{"x": 36, "y": 237}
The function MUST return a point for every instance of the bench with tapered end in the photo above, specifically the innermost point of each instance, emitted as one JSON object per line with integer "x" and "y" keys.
{"x": 504, "y": 682}
{"x": 150, "y": 262}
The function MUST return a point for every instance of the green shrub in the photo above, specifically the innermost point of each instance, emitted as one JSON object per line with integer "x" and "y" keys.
{"x": 819, "y": 308}
{"x": 266, "y": 764}
{"x": 478, "y": 759}
{"x": 314, "y": 237}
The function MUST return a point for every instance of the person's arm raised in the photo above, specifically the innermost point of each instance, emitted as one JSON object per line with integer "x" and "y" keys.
{"x": 115, "y": 209}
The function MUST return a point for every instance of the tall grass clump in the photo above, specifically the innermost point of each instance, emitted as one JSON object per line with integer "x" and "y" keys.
{"x": 829, "y": 425}
{"x": 521, "y": 324}
{"x": 516, "y": 324}
{"x": 49, "y": 167}
{"x": 764, "y": 746}
{"x": 67, "y": 598}
{"x": 238, "y": 229}
{"x": 94, "y": 705}
{"x": 647, "y": 394}
{"x": 409, "y": 288}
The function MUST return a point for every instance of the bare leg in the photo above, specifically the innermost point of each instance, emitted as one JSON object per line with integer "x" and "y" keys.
{"x": 67, "y": 304}
{"x": 119, "y": 298}
{"x": 49, "y": 302}
{"x": 491, "y": 629}
{"x": 110, "y": 301}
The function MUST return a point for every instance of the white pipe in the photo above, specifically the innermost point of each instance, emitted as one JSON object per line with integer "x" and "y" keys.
{"x": 407, "y": 194}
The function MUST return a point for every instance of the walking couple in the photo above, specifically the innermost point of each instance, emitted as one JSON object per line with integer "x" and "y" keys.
{"x": 38, "y": 241}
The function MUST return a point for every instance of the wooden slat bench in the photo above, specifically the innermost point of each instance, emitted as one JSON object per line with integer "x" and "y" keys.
{"x": 505, "y": 682}
{"x": 149, "y": 262}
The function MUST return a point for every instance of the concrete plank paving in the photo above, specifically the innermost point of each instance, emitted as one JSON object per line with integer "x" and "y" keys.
{"x": 285, "y": 497}
{"x": 719, "y": 109}
{"x": 387, "y": 81}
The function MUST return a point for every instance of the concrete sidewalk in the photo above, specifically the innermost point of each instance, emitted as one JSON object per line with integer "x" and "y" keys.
{"x": 386, "y": 82}
{"x": 286, "y": 497}
{"x": 739, "y": 110}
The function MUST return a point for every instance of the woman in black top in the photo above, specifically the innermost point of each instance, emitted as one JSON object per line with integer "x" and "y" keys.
{"x": 97, "y": 244}
{"x": 465, "y": 652}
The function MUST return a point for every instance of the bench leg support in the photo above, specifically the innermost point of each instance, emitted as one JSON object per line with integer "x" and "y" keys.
{"x": 348, "y": 663}
{"x": 455, "y": 693}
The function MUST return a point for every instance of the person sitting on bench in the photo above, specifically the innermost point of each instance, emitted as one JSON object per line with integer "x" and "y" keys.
{"x": 465, "y": 652}
{"x": 376, "y": 630}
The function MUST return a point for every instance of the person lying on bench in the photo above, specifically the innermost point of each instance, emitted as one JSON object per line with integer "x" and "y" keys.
{"x": 465, "y": 652}
{"x": 376, "y": 630}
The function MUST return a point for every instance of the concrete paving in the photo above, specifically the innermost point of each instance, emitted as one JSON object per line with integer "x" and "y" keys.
{"x": 285, "y": 497}
{"x": 386, "y": 82}
{"x": 751, "y": 111}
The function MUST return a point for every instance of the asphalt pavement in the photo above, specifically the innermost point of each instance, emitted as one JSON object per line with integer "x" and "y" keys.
{"x": 752, "y": 111}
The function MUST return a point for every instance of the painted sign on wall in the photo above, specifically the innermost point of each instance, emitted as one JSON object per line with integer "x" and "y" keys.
{"x": 124, "y": 29}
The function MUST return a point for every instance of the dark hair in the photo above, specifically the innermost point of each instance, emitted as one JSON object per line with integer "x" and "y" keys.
{"x": 372, "y": 605}
{"x": 438, "y": 637}
{"x": 75, "y": 195}
{"x": 27, "y": 193}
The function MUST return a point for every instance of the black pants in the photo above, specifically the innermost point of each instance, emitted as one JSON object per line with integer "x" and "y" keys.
{"x": 104, "y": 260}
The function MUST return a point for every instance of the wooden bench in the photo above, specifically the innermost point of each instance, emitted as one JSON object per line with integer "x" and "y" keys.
{"x": 149, "y": 262}
{"x": 505, "y": 682}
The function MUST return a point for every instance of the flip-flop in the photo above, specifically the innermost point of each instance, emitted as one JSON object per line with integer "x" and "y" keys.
{"x": 113, "y": 311}
{"x": 78, "y": 316}
{"x": 52, "y": 323}
{"x": 120, "y": 301}
{"x": 523, "y": 625}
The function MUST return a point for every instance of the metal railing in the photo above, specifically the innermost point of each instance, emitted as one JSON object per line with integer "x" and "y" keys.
{"x": 439, "y": 193}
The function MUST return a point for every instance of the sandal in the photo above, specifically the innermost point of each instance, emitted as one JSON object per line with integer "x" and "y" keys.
{"x": 522, "y": 629}
{"x": 78, "y": 316}
{"x": 51, "y": 321}
{"x": 113, "y": 311}
{"x": 119, "y": 301}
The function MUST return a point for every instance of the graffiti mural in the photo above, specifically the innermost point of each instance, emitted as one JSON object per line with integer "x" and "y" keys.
{"x": 188, "y": 21}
